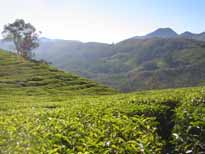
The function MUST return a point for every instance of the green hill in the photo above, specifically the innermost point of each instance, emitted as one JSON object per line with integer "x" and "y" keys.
{"x": 133, "y": 64}
{"x": 162, "y": 63}
{"x": 44, "y": 110}
{"x": 20, "y": 76}
{"x": 145, "y": 62}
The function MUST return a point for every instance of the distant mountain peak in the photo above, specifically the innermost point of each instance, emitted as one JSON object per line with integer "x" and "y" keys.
{"x": 163, "y": 33}
{"x": 187, "y": 32}
{"x": 194, "y": 36}
{"x": 167, "y": 29}
{"x": 159, "y": 33}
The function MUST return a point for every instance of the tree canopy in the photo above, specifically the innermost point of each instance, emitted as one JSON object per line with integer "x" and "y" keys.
{"x": 23, "y": 35}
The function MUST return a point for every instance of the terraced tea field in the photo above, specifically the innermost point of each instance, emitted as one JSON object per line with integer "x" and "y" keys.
{"x": 43, "y": 110}
{"x": 20, "y": 76}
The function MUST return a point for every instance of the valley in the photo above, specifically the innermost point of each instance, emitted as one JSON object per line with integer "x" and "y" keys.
{"x": 102, "y": 77}
{"x": 44, "y": 110}
{"x": 148, "y": 62}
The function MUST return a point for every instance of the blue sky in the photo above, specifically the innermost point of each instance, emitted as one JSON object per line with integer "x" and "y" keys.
{"x": 105, "y": 20}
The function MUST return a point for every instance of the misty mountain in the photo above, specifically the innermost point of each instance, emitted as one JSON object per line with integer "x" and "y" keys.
{"x": 132, "y": 64}
{"x": 169, "y": 33}
{"x": 189, "y": 35}
{"x": 159, "y": 33}
{"x": 161, "y": 59}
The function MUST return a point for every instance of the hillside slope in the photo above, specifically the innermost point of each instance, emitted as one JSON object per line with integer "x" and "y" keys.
{"x": 159, "y": 33}
{"x": 20, "y": 76}
{"x": 135, "y": 64}
{"x": 161, "y": 59}
{"x": 162, "y": 63}
{"x": 44, "y": 110}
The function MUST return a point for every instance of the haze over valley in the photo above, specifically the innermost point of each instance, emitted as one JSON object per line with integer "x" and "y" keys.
{"x": 123, "y": 77}
{"x": 152, "y": 61}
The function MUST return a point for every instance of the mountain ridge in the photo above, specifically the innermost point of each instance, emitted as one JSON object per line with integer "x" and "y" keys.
{"x": 123, "y": 64}
{"x": 161, "y": 33}
{"x": 153, "y": 61}
{"x": 170, "y": 33}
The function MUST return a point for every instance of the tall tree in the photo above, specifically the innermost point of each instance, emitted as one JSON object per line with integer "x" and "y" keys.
{"x": 24, "y": 37}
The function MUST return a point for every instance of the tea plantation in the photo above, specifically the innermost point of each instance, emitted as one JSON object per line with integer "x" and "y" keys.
{"x": 44, "y": 110}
